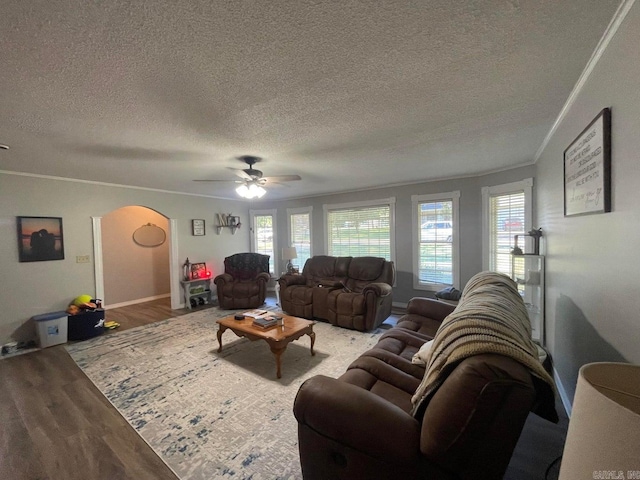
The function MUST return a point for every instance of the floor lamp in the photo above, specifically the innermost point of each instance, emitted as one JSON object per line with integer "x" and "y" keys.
{"x": 603, "y": 440}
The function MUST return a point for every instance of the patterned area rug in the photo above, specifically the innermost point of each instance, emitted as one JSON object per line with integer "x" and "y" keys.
{"x": 209, "y": 414}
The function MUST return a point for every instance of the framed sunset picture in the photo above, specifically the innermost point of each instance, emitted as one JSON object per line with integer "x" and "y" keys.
{"x": 40, "y": 239}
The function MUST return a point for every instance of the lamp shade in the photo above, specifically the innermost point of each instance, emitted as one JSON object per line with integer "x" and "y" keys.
{"x": 289, "y": 253}
{"x": 603, "y": 440}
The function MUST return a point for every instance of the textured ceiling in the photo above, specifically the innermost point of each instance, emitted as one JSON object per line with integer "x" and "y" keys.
{"x": 347, "y": 94}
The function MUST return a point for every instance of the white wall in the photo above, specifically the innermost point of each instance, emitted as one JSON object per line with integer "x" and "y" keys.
{"x": 29, "y": 289}
{"x": 593, "y": 291}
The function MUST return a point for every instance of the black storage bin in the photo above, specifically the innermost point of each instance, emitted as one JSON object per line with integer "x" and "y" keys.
{"x": 86, "y": 325}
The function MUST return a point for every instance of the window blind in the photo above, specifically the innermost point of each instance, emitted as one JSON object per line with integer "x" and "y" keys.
{"x": 435, "y": 262}
{"x": 301, "y": 237}
{"x": 357, "y": 232}
{"x": 507, "y": 219}
{"x": 264, "y": 238}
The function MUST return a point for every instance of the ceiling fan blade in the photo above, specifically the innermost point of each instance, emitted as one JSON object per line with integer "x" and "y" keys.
{"x": 242, "y": 174}
{"x": 205, "y": 180}
{"x": 275, "y": 184}
{"x": 282, "y": 178}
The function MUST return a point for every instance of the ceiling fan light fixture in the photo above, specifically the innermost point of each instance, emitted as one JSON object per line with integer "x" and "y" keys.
{"x": 257, "y": 190}
{"x": 243, "y": 191}
{"x": 250, "y": 191}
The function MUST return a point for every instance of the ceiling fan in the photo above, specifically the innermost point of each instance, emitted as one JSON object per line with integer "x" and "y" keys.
{"x": 253, "y": 180}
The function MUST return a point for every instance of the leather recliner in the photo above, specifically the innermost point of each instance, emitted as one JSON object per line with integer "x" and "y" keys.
{"x": 244, "y": 283}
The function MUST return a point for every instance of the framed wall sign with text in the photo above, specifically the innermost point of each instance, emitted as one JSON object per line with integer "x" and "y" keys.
{"x": 197, "y": 227}
{"x": 587, "y": 169}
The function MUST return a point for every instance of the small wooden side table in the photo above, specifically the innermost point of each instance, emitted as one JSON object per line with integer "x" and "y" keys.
{"x": 198, "y": 288}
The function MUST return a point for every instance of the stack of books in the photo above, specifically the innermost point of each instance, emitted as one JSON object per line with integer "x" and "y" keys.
{"x": 265, "y": 322}
{"x": 263, "y": 318}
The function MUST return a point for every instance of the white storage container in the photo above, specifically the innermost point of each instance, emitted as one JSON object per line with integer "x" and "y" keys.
{"x": 51, "y": 328}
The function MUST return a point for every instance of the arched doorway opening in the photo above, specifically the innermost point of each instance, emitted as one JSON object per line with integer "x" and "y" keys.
{"x": 127, "y": 270}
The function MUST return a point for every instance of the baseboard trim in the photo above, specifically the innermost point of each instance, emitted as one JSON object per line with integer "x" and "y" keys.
{"x": 566, "y": 403}
{"x": 139, "y": 300}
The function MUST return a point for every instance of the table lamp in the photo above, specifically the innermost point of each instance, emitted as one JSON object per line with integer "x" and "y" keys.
{"x": 288, "y": 254}
{"x": 603, "y": 440}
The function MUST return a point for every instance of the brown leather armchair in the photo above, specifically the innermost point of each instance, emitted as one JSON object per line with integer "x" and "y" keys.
{"x": 244, "y": 281}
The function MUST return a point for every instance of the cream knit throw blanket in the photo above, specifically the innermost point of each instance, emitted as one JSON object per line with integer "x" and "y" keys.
{"x": 490, "y": 318}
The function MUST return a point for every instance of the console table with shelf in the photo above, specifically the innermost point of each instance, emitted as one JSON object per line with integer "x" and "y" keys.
{"x": 197, "y": 288}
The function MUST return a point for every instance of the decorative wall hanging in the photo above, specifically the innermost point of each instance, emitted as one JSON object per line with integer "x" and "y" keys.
{"x": 197, "y": 227}
{"x": 149, "y": 235}
{"x": 40, "y": 239}
{"x": 229, "y": 221}
{"x": 587, "y": 169}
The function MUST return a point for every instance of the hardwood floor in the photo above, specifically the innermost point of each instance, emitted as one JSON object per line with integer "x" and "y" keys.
{"x": 55, "y": 424}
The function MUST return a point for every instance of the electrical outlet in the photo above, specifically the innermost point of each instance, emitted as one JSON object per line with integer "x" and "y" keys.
{"x": 83, "y": 259}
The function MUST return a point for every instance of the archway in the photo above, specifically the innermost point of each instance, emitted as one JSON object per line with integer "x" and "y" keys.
{"x": 127, "y": 272}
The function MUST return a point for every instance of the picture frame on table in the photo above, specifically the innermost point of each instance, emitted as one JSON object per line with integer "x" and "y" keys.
{"x": 198, "y": 271}
{"x": 40, "y": 239}
{"x": 587, "y": 169}
{"x": 198, "y": 227}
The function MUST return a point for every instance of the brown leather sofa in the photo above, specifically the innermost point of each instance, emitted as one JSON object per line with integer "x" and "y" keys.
{"x": 350, "y": 292}
{"x": 361, "y": 424}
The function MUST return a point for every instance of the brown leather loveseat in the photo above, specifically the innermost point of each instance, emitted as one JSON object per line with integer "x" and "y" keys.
{"x": 364, "y": 424}
{"x": 350, "y": 292}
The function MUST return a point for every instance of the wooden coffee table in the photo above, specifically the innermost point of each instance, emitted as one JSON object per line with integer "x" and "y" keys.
{"x": 277, "y": 337}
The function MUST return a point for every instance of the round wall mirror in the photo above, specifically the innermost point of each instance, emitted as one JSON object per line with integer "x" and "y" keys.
{"x": 149, "y": 235}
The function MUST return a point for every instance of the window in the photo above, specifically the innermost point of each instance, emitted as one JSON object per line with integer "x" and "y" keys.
{"x": 263, "y": 235}
{"x": 361, "y": 229}
{"x": 506, "y": 213}
{"x": 436, "y": 251}
{"x": 300, "y": 234}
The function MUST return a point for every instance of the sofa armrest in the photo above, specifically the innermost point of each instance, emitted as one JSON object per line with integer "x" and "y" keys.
{"x": 289, "y": 280}
{"x": 263, "y": 276}
{"x": 357, "y": 418}
{"x": 430, "y": 308}
{"x": 223, "y": 278}
{"x": 379, "y": 289}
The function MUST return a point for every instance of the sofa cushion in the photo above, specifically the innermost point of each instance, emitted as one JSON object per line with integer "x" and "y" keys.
{"x": 325, "y": 268}
{"x": 387, "y": 369}
{"x": 318, "y": 267}
{"x": 366, "y": 269}
{"x": 417, "y": 323}
{"x": 404, "y": 344}
{"x": 382, "y": 379}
